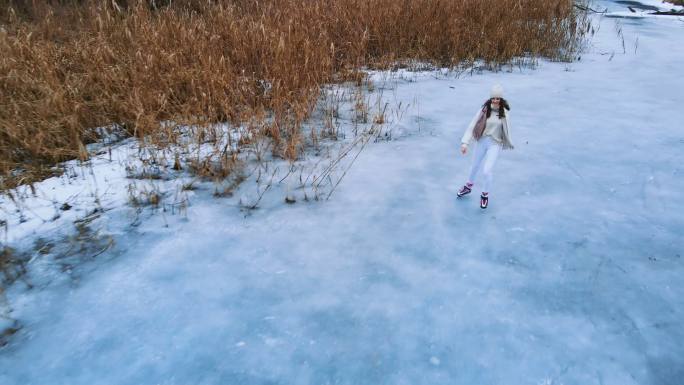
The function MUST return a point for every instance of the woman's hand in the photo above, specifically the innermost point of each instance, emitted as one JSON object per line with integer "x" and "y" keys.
{"x": 464, "y": 149}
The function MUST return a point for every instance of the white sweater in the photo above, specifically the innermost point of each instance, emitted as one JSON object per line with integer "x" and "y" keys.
{"x": 498, "y": 129}
{"x": 494, "y": 127}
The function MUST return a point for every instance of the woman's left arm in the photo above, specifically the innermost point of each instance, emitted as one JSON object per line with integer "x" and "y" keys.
{"x": 508, "y": 128}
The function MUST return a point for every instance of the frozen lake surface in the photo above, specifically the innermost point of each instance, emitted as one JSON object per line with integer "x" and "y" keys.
{"x": 573, "y": 275}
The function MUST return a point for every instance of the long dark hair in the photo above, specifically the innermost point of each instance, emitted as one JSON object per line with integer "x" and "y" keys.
{"x": 503, "y": 103}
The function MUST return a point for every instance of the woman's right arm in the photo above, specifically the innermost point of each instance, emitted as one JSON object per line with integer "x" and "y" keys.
{"x": 468, "y": 134}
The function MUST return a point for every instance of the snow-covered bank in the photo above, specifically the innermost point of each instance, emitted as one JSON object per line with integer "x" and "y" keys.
{"x": 640, "y": 9}
{"x": 572, "y": 276}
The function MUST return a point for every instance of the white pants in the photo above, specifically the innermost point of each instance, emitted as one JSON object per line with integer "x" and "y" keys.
{"x": 486, "y": 152}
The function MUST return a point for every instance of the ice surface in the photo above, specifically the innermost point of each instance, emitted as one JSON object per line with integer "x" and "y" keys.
{"x": 572, "y": 276}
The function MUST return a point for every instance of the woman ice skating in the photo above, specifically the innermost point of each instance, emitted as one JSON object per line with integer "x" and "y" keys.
{"x": 491, "y": 130}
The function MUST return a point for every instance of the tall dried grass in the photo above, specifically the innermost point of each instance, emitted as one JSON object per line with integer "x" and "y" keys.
{"x": 67, "y": 67}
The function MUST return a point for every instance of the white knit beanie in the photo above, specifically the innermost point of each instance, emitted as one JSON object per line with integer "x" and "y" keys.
{"x": 496, "y": 92}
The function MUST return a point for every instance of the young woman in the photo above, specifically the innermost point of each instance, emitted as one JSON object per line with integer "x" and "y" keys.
{"x": 491, "y": 130}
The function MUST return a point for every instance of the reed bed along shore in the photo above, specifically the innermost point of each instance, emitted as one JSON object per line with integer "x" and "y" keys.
{"x": 68, "y": 67}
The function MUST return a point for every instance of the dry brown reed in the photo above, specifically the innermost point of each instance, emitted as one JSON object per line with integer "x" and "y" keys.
{"x": 67, "y": 67}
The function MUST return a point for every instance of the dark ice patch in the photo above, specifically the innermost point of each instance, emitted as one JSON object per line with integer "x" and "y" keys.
{"x": 637, "y": 5}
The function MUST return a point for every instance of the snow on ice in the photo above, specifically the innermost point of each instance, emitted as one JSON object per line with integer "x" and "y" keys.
{"x": 573, "y": 275}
